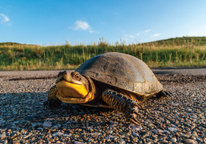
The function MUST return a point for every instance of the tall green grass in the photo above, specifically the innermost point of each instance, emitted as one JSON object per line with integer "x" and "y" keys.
{"x": 33, "y": 57}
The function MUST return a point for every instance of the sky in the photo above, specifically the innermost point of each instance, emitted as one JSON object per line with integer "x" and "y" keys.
{"x": 53, "y": 22}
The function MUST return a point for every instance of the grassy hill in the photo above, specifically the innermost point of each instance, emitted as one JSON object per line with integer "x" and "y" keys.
{"x": 9, "y": 43}
{"x": 174, "y": 52}
{"x": 179, "y": 41}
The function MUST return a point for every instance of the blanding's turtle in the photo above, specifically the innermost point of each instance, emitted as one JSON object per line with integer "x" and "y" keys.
{"x": 112, "y": 80}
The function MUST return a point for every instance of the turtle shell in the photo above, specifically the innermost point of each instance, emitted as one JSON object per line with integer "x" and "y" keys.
{"x": 122, "y": 71}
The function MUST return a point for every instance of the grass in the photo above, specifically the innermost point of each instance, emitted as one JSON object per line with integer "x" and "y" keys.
{"x": 176, "y": 52}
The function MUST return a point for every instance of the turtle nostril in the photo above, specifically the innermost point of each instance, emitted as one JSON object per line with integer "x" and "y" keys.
{"x": 59, "y": 74}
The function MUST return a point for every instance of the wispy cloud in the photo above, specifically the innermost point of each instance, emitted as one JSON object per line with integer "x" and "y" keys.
{"x": 82, "y": 25}
{"x": 92, "y": 31}
{"x": 4, "y": 18}
{"x": 137, "y": 34}
{"x": 147, "y": 30}
{"x": 155, "y": 35}
{"x": 128, "y": 36}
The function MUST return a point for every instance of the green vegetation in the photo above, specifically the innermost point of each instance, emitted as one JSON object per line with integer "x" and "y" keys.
{"x": 188, "y": 42}
{"x": 175, "y": 52}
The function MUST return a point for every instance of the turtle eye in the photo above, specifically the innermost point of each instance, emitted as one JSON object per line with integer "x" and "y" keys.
{"x": 77, "y": 76}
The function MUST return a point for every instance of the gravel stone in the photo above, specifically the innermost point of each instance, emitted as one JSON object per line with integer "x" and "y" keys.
{"x": 24, "y": 118}
{"x": 189, "y": 141}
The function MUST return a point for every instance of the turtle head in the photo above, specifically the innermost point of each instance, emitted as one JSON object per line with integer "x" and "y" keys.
{"x": 74, "y": 87}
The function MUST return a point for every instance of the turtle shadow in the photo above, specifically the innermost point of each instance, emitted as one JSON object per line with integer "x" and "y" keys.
{"x": 76, "y": 115}
{"x": 29, "y": 107}
{"x": 76, "y": 109}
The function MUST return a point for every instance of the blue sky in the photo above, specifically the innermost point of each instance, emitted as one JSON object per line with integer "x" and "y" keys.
{"x": 51, "y": 22}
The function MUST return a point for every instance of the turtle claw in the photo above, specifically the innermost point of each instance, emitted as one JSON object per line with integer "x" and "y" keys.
{"x": 133, "y": 113}
{"x": 135, "y": 110}
{"x": 167, "y": 93}
{"x": 163, "y": 93}
{"x": 135, "y": 121}
{"x": 140, "y": 115}
{"x": 133, "y": 118}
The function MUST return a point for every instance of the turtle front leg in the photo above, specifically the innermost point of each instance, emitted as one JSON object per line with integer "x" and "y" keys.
{"x": 53, "y": 101}
{"x": 122, "y": 103}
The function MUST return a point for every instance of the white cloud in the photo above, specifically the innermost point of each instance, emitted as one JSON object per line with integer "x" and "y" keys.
{"x": 4, "y": 18}
{"x": 147, "y": 30}
{"x": 81, "y": 25}
{"x": 92, "y": 31}
{"x": 138, "y": 34}
{"x": 155, "y": 35}
{"x": 126, "y": 37}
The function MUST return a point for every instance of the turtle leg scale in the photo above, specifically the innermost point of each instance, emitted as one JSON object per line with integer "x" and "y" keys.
{"x": 123, "y": 103}
{"x": 53, "y": 101}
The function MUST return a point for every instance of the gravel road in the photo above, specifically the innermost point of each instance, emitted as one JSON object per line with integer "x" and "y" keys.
{"x": 187, "y": 71}
{"x": 24, "y": 119}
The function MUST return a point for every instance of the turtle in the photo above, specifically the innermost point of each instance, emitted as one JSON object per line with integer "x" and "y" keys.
{"x": 110, "y": 80}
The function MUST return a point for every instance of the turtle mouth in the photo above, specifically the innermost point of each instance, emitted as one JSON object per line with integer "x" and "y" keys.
{"x": 76, "y": 100}
{"x": 69, "y": 89}
{"x": 72, "y": 89}
{"x": 61, "y": 78}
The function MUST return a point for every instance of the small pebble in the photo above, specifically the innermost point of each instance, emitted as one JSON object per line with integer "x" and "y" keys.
{"x": 190, "y": 141}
